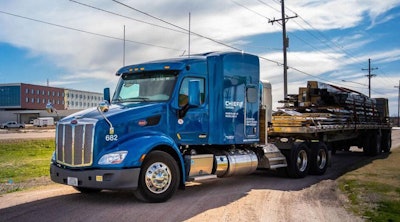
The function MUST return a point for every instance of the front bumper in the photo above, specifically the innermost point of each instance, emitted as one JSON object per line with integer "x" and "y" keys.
{"x": 122, "y": 179}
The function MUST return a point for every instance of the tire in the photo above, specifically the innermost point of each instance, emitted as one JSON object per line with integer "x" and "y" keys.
{"x": 386, "y": 142}
{"x": 372, "y": 145}
{"x": 298, "y": 161}
{"x": 319, "y": 158}
{"x": 86, "y": 190}
{"x": 159, "y": 178}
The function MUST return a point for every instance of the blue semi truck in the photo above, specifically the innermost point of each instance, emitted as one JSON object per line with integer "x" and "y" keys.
{"x": 173, "y": 121}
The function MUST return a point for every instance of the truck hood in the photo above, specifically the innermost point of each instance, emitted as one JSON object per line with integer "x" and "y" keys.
{"x": 118, "y": 111}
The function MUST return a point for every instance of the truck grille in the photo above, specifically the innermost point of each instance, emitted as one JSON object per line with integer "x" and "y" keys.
{"x": 74, "y": 144}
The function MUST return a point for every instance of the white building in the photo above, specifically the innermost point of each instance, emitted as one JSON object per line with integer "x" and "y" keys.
{"x": 78, "y": 99}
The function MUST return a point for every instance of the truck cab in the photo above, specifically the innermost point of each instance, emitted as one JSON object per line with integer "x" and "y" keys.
{"x": 168, "y": 122}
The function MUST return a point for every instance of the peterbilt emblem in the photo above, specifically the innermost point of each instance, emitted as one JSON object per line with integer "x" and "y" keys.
{"x": 74, "y": 121}
{"x": 142, "y": 123}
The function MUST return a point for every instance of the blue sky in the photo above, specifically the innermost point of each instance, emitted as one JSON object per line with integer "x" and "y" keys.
{"x": 79, "y": 44}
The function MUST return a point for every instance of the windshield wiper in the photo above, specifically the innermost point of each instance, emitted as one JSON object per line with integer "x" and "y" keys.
{"x": 141, "y": 99}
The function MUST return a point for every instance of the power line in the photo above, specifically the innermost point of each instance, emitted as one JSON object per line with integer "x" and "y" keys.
{"x": 249, "y": 9}
{"x": 87, "y": 32}
{"x": 176, "y": 26}
{"x": 127, "y": 17}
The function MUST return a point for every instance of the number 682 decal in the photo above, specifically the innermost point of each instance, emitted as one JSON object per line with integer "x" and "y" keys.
{"x": 111, "y": 138}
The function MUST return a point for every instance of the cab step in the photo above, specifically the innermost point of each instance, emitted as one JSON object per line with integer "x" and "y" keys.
{"x": 202, "y": 177}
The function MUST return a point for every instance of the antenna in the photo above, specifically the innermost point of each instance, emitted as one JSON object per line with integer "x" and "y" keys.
{"x": 189, "y": 36}
{"x": 123, "y": 53}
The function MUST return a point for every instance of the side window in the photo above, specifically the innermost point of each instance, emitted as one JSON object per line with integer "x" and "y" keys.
{"x": 251, "y": 94}
{"x": 184, "y": 91}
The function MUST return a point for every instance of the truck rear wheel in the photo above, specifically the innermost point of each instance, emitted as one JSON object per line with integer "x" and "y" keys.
{"x": 372, "y": 145}
{"x": 159, "y": 178}
{"x": 386, "y": 142}
{"x": 319, "y": 158}
{"x": 298, "y": 163}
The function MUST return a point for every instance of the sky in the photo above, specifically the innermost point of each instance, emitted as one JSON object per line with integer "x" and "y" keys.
{"x": 79, "y": 44}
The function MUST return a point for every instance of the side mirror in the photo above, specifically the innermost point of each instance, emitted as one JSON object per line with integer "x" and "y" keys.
{"x": 194, "y": 93}
{"x": 106, "y": 95}
{"x": 103, "y": 106}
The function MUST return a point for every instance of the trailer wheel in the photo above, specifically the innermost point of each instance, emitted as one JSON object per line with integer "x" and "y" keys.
{"x": 372, "y": 146}
{"x": 298, "y": 164}
{"x": 319, "y": 158}
{"x": 386, "y": 142}
{"x": 159, "y": 178}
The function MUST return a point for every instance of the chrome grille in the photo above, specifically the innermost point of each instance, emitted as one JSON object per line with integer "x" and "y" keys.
{"x": 74, "y": 144}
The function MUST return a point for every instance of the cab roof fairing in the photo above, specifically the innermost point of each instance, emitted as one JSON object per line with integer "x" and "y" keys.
{"x": 172, "y": 64}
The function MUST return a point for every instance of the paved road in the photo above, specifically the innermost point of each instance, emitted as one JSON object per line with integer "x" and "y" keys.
{"x": 61, "y": 203}
{"x": 27, "y": 134}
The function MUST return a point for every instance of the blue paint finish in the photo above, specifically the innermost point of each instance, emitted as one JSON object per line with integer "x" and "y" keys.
{"x": 226, "y": 114}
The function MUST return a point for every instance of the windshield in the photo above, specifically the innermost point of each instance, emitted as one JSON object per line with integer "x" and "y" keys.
{"x": 146, "y": 86}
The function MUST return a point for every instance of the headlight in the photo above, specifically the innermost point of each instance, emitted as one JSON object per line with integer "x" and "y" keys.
{"x": 113, "y": 158}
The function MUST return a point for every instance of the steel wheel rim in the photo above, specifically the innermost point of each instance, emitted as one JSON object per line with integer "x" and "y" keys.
{"x": 158, "y": 177}
{"x": 302, "y": 160}
{"x": 321, "y": 159}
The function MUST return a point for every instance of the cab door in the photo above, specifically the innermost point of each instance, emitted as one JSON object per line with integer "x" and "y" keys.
{"x": 192, "y": 122}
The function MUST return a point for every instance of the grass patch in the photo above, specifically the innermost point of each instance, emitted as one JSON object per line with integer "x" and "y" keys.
{"x": 25, "y": 160}
{"x": 374, "y": 189}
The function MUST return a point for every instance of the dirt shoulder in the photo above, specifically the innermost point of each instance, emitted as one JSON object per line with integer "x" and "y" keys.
{"x": 257, "y": 197}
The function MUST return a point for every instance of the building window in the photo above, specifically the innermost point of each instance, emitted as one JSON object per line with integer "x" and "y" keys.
{"x": 42, "y": 92}
{"x": 26, "y": 91}
{"x": 38, "y": 92}
{"x": 44, "y": 101}
{"x": 48, "y": 93}
{"x": 32, "y": 91}
{"x": 27, "y": 100}
{"x": 54, "y": 93}
{"x": 32, "y": 100}
{"x": 37, "y": 100}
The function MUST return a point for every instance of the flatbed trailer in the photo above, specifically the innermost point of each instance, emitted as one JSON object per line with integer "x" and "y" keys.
{"x": 358, "y": 121}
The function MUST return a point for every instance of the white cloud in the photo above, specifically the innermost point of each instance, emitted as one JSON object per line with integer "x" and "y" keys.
{"x": 93, "y": 59}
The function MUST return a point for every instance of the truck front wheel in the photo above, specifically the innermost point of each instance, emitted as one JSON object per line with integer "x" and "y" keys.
{"x": 159, "y": 178}
{"x": 386, "y": 142}
{"x": 298, "y": 163}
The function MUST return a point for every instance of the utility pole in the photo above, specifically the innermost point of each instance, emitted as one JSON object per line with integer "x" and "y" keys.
{"x": 285, "y": 43}
{"x": 369, "y": 76}
{"x": 398, "y": 106}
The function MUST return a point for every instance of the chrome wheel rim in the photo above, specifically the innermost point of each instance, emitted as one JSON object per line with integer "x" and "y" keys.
{"x": 321, "y": 159}
{"x": 302, "y": 160}
{"x": 158, "y": 177}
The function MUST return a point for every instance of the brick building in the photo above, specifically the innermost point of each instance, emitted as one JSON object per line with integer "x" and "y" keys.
{"x": 23, "y": 102}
